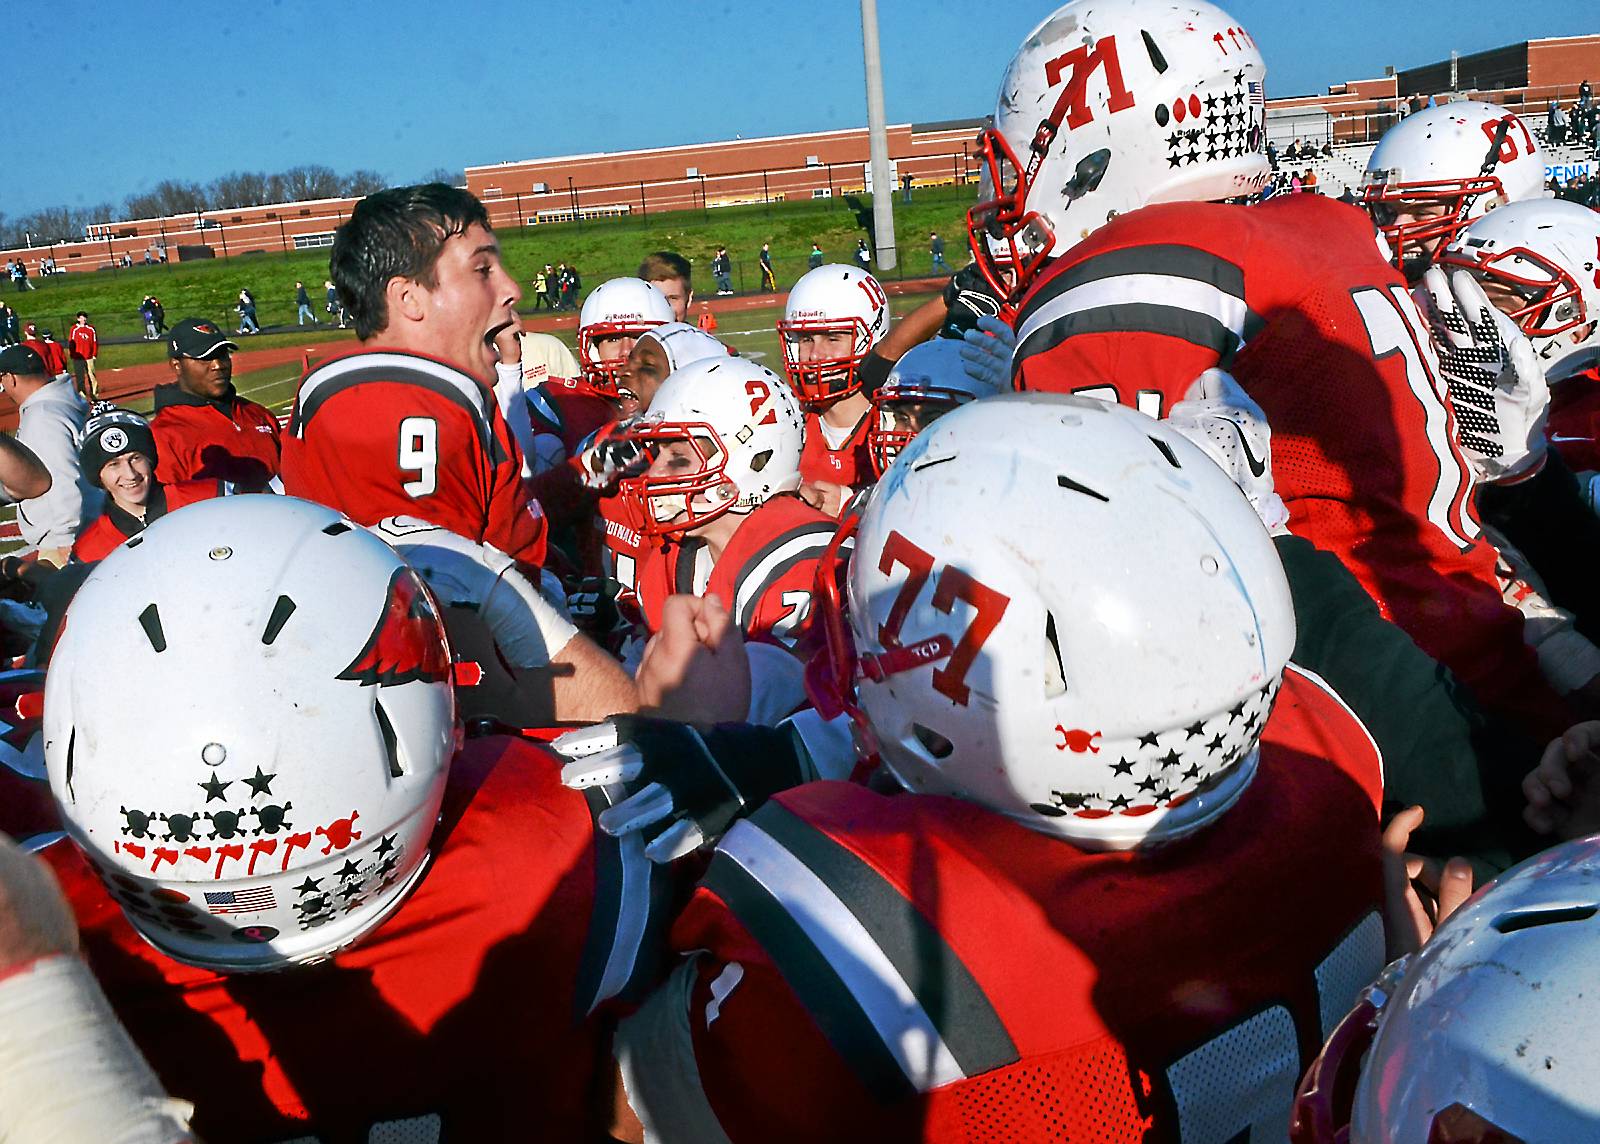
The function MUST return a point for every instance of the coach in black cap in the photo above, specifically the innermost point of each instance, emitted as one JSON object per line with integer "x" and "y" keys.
{"x": 203, "y": 428}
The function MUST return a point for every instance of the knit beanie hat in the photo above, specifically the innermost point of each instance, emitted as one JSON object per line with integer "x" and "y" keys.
{"x": 110, "y": 433}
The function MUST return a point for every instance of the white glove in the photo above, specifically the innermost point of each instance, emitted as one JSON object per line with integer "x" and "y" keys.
{"x": 986, "y": 353}
{"x": 1230, "y": 428}
{"x": 1496, "y": 387}
{"x": 610, "y": 454}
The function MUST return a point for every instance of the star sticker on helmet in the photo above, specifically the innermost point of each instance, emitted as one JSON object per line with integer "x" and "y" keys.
{"x": 1216, "y": 744}
{"x": 1147, "y": 784}
{"x": 309, "y": 886}
{"x": 261, "y": 782}
{"x": 1170, "y": 759}
{"x": 214, "y": 787}
{"x": 1122, "y": 767}
{"x": 1195, "y": 730}
{"x": 349, "y": 869}
{"x": 1120, "y": 802}
{"x": 1148, "y": 739}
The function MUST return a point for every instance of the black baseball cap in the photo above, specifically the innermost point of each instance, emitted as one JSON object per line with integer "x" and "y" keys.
{"x": 21, "y": 359}
{"x": 197, "y": 338}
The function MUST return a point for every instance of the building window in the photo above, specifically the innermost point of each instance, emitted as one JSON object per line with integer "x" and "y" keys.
{"x": 312, "y": 241}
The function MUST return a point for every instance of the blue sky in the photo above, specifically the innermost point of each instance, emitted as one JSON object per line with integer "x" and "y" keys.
{"x": 134, "y": 93}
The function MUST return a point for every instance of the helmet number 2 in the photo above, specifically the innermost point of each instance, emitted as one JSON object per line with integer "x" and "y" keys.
{"x": 760, "y": 396}
{"x": 419, "y": 451}
{"x": 952, "y": 584}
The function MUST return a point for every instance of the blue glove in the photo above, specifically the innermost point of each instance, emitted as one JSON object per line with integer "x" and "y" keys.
{"x": 986, "y": 352}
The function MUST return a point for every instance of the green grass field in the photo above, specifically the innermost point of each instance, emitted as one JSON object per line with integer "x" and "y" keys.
{"x": 600, "y": 249}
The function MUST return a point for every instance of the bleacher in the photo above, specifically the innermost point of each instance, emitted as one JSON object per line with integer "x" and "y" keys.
{"x": 1343, "y": 168}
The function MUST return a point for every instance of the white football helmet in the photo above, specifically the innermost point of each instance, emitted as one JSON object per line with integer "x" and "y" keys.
{"x": 260, "y": 785}
{"x": 1547, "y": 253}
{"x": 619, "y": 308}
{"x": 1022, "y": 575}
{"x": 738, "y": 432}
{"x": 1487, "y": 1033}
{"x": 927, "y": 382}
{"x": 685, "y": 344}
{"x": 832, "y": 299}
{"x": 1108, "y": 106}
{"x": 1458, "y": 161}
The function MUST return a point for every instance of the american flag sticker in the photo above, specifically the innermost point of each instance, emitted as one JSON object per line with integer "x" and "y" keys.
{"x": 250, "y": 901}
{"x": 1258, "y": 94}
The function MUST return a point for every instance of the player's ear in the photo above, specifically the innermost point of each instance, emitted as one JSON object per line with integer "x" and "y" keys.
{"x": 407, "y": 299}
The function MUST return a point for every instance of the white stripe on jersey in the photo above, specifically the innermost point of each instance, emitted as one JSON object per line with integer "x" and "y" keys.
{"x": 747, "y": 592}
{"x": 1147, "y": 289}
{"x": 470, "y": 389}
{"x": 885, "y": 999}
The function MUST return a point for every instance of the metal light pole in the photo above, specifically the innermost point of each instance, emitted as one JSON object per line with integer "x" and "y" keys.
{"x": 878, "y": 138}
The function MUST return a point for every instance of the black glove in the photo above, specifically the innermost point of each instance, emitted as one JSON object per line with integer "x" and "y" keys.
{"x": 685, "y": 787}
{"x": 967, "y": 297}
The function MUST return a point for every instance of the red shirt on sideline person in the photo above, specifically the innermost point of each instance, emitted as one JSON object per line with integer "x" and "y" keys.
{"x": 203, "y": 428}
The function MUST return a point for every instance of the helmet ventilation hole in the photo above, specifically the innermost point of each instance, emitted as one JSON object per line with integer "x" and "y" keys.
{"x": 933, "y": 742}
{"x": 391, "y": 747}
{"x": 1055, "y": 671}
{"x": 1157, "y": 60}
{"x": 1166, "y": 451}
{"x": 1068, "y": 483}
{"x": 759, "y": 461}
{"x": 1528, "y": 919}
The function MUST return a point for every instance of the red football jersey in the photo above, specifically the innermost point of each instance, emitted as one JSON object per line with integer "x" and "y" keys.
{"x": 623, "y": 543}
{"x": 1574, "y": 425}
{"x": 462, "y": 1017}
{"x": 914, "y": 967}
{"x": 1294, "y": 300}
{"x": 384, "y": 433}
{"x": 234, "y": 440}
{"x": 764, "y": 576}
{"x": 848, "y": 465}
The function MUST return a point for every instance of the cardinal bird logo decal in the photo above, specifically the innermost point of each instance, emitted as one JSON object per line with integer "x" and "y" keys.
{"x": 408, "y": 643}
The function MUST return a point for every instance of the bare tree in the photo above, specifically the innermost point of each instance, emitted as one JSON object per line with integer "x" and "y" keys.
{"x": 363, "y": 182}
{"x": 239, "y": 189}
{"x": 311, "y": 182}
{"x": 445, "y": 175}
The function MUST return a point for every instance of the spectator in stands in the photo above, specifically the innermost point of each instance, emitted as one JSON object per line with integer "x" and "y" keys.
{"x": 1327, "y": 148}
{"x": 1308, "y": 181}
{"x": 936, "y": 249}
{"x": 669, "y": 272}
{"x": 119, "y": 454}
{"x": 51, "y": 417}
{"x": 84, "y": 347}
{"x": 302, "y": 302}
{"x": 1585, "y": 95}
{"x": 1556, "y": 124}
{"x": 722, "y": 271}
{"x": 1295, "y": 183}
{"x": 1272, "y": 155}
{"x": 203, "y": 427}
{"x": 10, "y": 326}
{"x": 247, "y": 313}
{"x": 816, "y": 259}
{"x": 768, "y": 282}
{"x": 1292, "y": 152}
